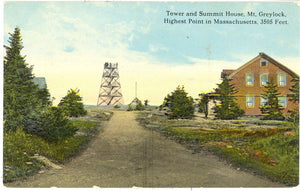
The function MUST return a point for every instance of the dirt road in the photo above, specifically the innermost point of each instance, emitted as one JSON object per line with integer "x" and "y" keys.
{"x": 127, "y": 155}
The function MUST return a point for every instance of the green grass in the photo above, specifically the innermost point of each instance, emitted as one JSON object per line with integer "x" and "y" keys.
{"x": 20, "y": 147}
{"x": 266, "y": 150}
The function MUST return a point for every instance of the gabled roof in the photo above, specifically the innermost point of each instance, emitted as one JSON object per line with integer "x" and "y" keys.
{"x": 265, "y": 56}
{"x": 135, "y": 101}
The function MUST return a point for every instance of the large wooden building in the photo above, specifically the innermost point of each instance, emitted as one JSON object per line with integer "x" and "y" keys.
{"x": 251, "y": 78}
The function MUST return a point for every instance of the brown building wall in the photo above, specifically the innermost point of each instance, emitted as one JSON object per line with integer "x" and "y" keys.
{"x": 239, "y": 81}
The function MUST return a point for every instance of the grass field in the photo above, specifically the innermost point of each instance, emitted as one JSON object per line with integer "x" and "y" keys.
{"x": 269, "y": 148}
{"x": 20, "y": 149}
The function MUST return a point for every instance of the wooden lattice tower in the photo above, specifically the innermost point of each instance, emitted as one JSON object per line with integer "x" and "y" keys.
{"x": 110, "y": 89}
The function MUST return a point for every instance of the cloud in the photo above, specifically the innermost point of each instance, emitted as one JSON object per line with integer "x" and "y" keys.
{"x": 250, "y": 7}
{"x": 156, "y": 48}
{"x": 69, "y": 49}
{"x": 70, "y": 52}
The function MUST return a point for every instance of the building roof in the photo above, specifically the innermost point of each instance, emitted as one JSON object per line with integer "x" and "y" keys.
{"x": 135, "y": 101}
{"x": 265, "y": 56}
{"x": 226, "y": 72}
{"x": 40, "y": 82}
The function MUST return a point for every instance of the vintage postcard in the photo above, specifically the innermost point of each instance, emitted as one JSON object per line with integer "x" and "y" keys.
{"x": 100, "y": 94}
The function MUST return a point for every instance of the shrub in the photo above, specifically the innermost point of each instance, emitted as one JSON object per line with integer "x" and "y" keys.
{"x": 180, "y": 105}
{"x": 51, "y": 125}
{"x": 139, "y": 106}
{"x": 130, "y": 107}
{"x": 17, "y": 148}
{"x": 117, "y": 106}
{"x": 72, "y": 105}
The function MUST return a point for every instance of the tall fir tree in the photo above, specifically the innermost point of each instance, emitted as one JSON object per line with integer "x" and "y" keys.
{"x": 228, "y": 108}
{"x": 294, "y": 97}
{"x": 272, "y": 109}
{"x": 22, "y": 98}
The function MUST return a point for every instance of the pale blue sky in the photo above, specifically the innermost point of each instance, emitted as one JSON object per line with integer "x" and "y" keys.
{"x": 70, "y": 41}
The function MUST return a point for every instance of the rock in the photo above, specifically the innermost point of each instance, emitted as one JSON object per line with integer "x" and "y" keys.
{"x": 47, "y": 162}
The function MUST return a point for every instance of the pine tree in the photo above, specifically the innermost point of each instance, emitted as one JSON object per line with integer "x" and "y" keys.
{"x": 272, "y": 108}
{"x": 294, "y": 97}
{"x": 203, "y": 105}
{"x": 228, "y": 109}
{"x": 146, "y": 102}
{"x": 72, "y": 104}
{"x": 180, "y": 105}
{"x": 20, "y": 98}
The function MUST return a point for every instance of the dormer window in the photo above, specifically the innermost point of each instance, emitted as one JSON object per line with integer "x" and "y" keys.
{"x": 263, "y": 62}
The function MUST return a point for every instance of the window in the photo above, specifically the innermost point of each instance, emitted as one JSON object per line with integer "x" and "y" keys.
{"x": 281, "y": 79}
{"x": 250, "y": 101}
{"x": 263, "y": 101}
{"x": 264, "y": 78}
{"x": 250, "y": 78}
{"x": 282, "y": 101}
{"x": 263, "y": 62}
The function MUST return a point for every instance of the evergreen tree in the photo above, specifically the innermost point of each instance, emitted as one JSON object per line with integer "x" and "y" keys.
{"x": 272, "y": 108}
{"x": 20, "y": 98}
{"x": 44, "y": 97}
{"x": 228, "y": 109}
{"x": 180, "y": 105}
{"x": 294, "y": 97}
{"x": 72, "y": 104}
{"x": 51, "y": 124}
{"x": 146, "y": 102}
{"x": 203, "y": 105}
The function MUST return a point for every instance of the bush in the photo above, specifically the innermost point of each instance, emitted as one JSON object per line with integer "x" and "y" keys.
{"x": 117, "y": 106}
{"x": 51, "y": 124}
{"x": 130, "y": 107}
{"x": 72, "y": 105}
{"x": 180, "y": 105}
{"x": 17, "y": 148}
{"x": 139, "y": 106}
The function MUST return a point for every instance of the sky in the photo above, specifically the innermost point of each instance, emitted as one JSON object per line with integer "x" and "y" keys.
{"x": 69, "y": 42}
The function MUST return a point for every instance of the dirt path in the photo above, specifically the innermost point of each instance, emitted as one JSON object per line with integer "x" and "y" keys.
{"x": 126, "y": 155}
